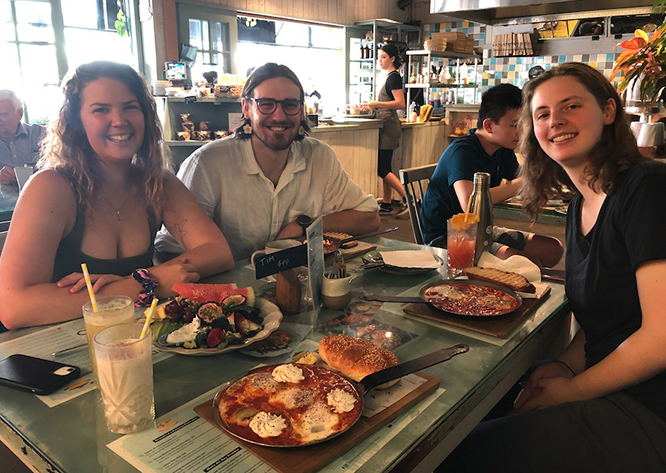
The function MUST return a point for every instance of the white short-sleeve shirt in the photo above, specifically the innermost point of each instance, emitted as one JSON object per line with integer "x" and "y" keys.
{"x": 226, "y": 180}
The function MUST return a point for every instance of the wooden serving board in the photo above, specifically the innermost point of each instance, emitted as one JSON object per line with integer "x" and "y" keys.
{"x": 359, "y": 250}
{"x": 500, "y": 327}
{"x": 314, "y": 457}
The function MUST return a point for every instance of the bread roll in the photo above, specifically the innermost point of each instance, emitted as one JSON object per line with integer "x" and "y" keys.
{"x": 353, "y": 357}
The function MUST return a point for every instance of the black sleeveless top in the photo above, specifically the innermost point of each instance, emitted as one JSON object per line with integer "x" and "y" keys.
{"x": 69, "y": 255}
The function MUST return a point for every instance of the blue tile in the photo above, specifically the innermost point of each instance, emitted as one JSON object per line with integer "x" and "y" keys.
{"x": 493, "y": 60}
{"x": 498, "y": 75}
{"x": 610, "y": 57}
{"x": 562, "y": 59}
{"x": 459, "y": 24}
{"x": 512, "y": 67}
{"x": 482, "y": 37}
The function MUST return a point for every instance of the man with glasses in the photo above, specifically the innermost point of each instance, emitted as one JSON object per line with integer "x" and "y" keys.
{"x": 19, "y": 142}
{"x": 256, "y": 183}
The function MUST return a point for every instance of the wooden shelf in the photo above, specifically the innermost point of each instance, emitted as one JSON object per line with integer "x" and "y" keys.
{"x": 443, "y": 54}
{"x": 187, "y": 143}
{"x": 203, "y": 99}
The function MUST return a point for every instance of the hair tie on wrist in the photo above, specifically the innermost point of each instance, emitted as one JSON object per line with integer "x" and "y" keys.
{"x": 568, "y": 367}
{"x": 149, "y": 283}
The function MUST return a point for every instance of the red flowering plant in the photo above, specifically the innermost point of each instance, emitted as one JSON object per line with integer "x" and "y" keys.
{"x": 644, "y": 59}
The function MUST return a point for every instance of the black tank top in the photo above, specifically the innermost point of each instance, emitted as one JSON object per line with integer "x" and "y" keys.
{"x": 69, "y": 255}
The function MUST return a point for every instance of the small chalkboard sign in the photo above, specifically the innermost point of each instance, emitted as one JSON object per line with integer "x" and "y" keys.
{"x": 281, "y": 261}
{"x": 191, "y": 99}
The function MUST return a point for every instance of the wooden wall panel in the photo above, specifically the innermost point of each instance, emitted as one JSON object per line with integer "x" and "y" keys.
{"x": 357, "y": 152}
{"x": 419, "y": 145}
{"x": 340, "y": 12}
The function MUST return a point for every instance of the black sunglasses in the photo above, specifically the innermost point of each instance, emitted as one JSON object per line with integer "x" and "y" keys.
{"x": 268, "y": 106}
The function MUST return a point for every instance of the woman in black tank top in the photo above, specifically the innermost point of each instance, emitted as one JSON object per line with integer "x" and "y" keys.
{"x": 102, "y": 193}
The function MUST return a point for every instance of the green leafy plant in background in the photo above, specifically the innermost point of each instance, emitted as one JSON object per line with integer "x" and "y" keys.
{"x": 644, "y": 59}
{"x": 121, "y": 22}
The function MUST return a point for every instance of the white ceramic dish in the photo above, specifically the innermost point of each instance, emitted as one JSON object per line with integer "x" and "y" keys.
{"x": 270, "y": 313}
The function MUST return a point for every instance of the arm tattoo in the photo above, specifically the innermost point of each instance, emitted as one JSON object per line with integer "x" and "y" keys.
{"x": 179, "y": 229}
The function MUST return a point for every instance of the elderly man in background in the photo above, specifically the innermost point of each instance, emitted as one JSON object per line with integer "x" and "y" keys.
{"x": 269, "y": 178}
{"x": 19, "y": 142}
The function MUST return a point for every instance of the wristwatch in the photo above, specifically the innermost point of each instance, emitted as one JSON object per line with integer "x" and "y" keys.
{"x": 304, "y": 221}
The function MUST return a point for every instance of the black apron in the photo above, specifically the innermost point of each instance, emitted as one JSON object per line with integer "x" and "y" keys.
{"x": 389, "y": 134}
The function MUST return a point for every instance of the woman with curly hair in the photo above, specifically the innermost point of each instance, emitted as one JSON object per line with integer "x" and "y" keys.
{"x": 102, "y": 193}
{"x": 601, "y": 405}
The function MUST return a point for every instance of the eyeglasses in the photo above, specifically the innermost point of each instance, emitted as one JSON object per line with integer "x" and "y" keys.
{"x": 268, "y": 106}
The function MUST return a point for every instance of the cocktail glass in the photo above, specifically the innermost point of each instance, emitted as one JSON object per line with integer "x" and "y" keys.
{"x": 125, "y": 377}
{"x": 111, "y": 310}
{"x": 460, "y": 244}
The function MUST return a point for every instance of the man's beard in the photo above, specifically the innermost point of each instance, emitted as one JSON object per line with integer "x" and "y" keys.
{"x": 276, "y": 143}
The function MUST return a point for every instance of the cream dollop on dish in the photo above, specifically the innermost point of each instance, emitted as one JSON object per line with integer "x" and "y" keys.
{"x": 186, "y": 333}
{"x": 340, "y": 400}
{"x": 288, "y": 374}
{"x": 267, "y": 425}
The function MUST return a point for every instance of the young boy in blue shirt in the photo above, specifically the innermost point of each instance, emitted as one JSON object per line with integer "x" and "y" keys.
{"x": 487, "y": 148}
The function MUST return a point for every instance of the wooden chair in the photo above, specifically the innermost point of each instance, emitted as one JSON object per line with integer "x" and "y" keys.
{"x": 415, "y": 182}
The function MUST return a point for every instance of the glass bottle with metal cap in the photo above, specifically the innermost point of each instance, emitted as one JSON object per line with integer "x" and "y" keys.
{"x": 481, "y": 204}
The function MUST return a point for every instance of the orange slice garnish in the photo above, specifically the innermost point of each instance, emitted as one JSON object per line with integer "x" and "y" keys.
{"x": 462, "y": 222}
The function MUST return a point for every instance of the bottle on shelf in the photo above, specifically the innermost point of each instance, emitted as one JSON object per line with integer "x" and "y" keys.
{"x": 438, "y": 99}
{"x": 431, "y": 98}
{"x": 481, "y": 204}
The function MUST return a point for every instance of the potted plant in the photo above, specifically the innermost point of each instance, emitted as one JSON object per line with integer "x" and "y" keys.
{"x": 643, "y": 62}
{"x": 643, "y": 68}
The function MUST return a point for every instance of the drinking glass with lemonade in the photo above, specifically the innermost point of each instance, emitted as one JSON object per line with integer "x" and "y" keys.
{"x": 111, "y": 310}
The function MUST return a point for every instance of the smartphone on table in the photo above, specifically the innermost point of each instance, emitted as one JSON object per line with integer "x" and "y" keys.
{"x": 36, "y": 375}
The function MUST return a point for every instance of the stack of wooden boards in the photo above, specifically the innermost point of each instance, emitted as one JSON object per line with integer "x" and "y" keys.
{"x": 513, "y": 44}
{"x": 454, "y": 41}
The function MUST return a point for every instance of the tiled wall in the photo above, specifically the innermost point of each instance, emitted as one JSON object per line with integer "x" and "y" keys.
{"x": 515, "y": 69}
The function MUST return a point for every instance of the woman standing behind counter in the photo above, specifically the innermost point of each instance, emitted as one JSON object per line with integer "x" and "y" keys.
{"x": 101, "y": 196}
{"x": 391, "y": 98}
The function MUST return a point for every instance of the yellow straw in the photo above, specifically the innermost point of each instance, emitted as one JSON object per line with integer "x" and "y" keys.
{"x": 469, "y": 204}
{"x": 149, "y": 316}
{"x": 84, "y": 267}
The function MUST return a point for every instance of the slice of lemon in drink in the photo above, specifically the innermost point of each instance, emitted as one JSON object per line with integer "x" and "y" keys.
{"x": 463, "y": 221}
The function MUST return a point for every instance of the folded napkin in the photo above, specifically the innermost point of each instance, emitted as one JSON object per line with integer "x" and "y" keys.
{"x": 516, "y": 264}
{"x": 410, "y": 259}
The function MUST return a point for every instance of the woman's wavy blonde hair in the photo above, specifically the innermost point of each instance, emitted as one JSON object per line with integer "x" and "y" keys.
{"x": 67, "y": 150}
{"x": 614, "y": 154}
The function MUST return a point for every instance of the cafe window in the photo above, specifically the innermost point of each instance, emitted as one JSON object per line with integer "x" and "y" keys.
{"x": 37, "y": 58}
{"x": 314, "y": 52}
{"x": 208, "y": 33}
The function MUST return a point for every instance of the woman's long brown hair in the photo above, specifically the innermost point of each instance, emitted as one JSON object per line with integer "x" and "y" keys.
{"x": 615, "y": 152}
{"x": 67, "y": 150}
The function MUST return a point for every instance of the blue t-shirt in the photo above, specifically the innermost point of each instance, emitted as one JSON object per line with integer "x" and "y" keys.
{"x": 464, "y": 157}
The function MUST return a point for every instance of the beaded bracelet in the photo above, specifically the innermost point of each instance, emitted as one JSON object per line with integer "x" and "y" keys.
{"x": 149, "y": 283}
{"x": 568, "y": 367}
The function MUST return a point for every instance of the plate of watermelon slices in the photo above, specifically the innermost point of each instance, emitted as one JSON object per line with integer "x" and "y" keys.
{"x": 211, "y": 319}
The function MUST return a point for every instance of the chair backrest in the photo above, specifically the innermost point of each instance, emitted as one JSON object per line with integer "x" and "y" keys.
{"x": 415, "y": 182}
